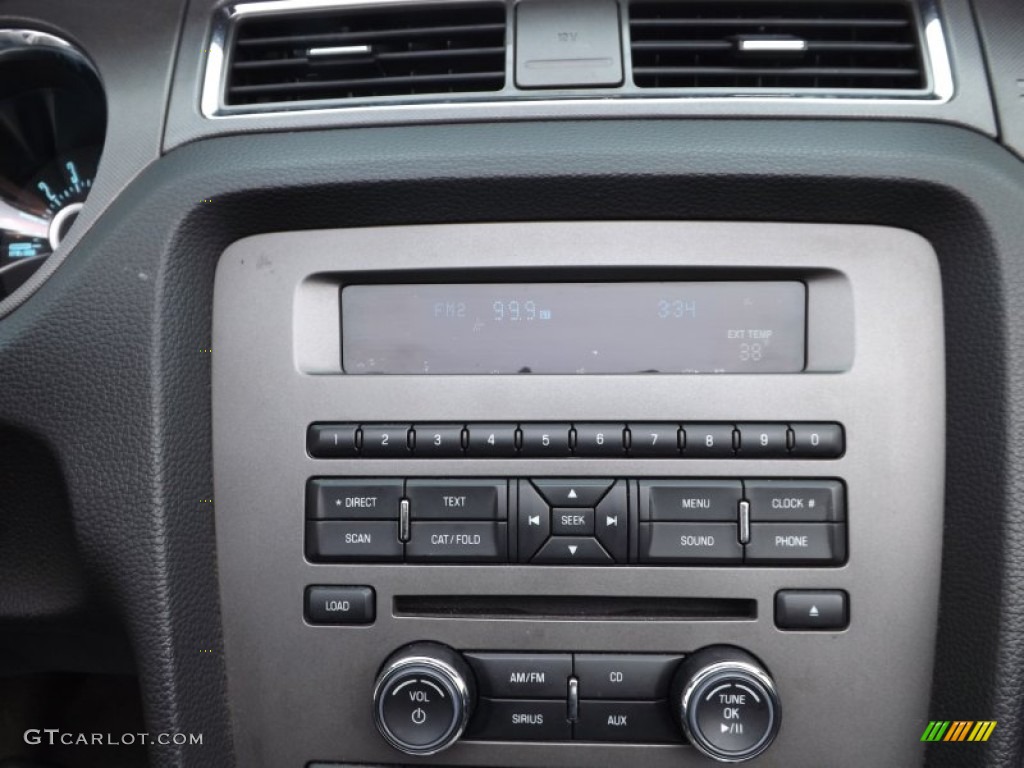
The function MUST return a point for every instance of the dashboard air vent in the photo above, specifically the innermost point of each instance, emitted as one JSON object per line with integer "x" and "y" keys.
{"x": 355, "y": 52}
{"x": 748, "y": 45}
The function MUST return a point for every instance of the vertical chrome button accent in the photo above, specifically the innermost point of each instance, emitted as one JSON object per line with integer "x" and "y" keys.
{"x": 744, "y": 522}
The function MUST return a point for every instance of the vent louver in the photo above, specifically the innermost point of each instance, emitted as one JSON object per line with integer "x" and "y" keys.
{"x": 356, "y": 52}
{"x": 762, "y": 44}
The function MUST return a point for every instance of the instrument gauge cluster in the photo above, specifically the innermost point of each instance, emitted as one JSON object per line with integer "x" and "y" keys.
{"x": 52, "y": 128}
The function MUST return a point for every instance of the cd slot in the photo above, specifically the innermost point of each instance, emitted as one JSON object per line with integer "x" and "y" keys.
{"x": 574, "y": 608}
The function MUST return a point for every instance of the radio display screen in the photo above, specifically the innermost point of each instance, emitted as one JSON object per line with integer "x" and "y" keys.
{"x": 574, "y": 328}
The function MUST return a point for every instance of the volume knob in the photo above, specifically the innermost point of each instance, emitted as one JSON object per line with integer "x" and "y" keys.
{"x": 726, "y": 703}
{"x": 423, "y": 699}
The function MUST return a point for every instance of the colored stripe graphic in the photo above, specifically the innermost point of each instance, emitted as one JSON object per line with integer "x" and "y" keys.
{"x": 935, "y": 730}
{"x": 958, "y": 730}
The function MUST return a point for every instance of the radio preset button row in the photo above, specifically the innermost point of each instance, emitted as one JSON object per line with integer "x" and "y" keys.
{"x": 561, "y": 440}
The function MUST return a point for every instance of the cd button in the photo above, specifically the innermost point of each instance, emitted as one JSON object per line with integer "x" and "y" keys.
{"x": 645, "y": 677}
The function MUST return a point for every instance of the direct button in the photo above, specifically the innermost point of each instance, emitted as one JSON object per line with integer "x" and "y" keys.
{"x": 710, "y": 543}
{"x": 572, "y": 522}
{"x": 457, "y": 499}
{"x": 522, "y": 675}
{"x": 797, "y": 543}
{"x": 619, "y": 676}
{"x": 457, "y": 543}
{"x": 340, "y": 605}
{"x": 686, "y": 500}
{"x": 798, "y": 501}
{"x": 328, "y": 499}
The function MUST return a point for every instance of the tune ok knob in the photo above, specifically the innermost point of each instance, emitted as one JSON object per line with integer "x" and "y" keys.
{"x": 423, "y": 699}
{"x": 726, "y": 703}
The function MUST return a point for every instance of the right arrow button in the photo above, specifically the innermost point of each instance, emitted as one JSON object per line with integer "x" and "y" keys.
{"x": 611, "y": 525}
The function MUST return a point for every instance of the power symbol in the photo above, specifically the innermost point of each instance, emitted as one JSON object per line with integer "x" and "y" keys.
{"x": 419, "y": 717}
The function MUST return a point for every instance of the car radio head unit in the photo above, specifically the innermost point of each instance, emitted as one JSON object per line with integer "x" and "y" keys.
{"x": 534, "y": 525}
{"x": 574, "y": 328}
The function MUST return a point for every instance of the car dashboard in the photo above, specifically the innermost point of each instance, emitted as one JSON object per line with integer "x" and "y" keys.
{"x": 511, "y": 383}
